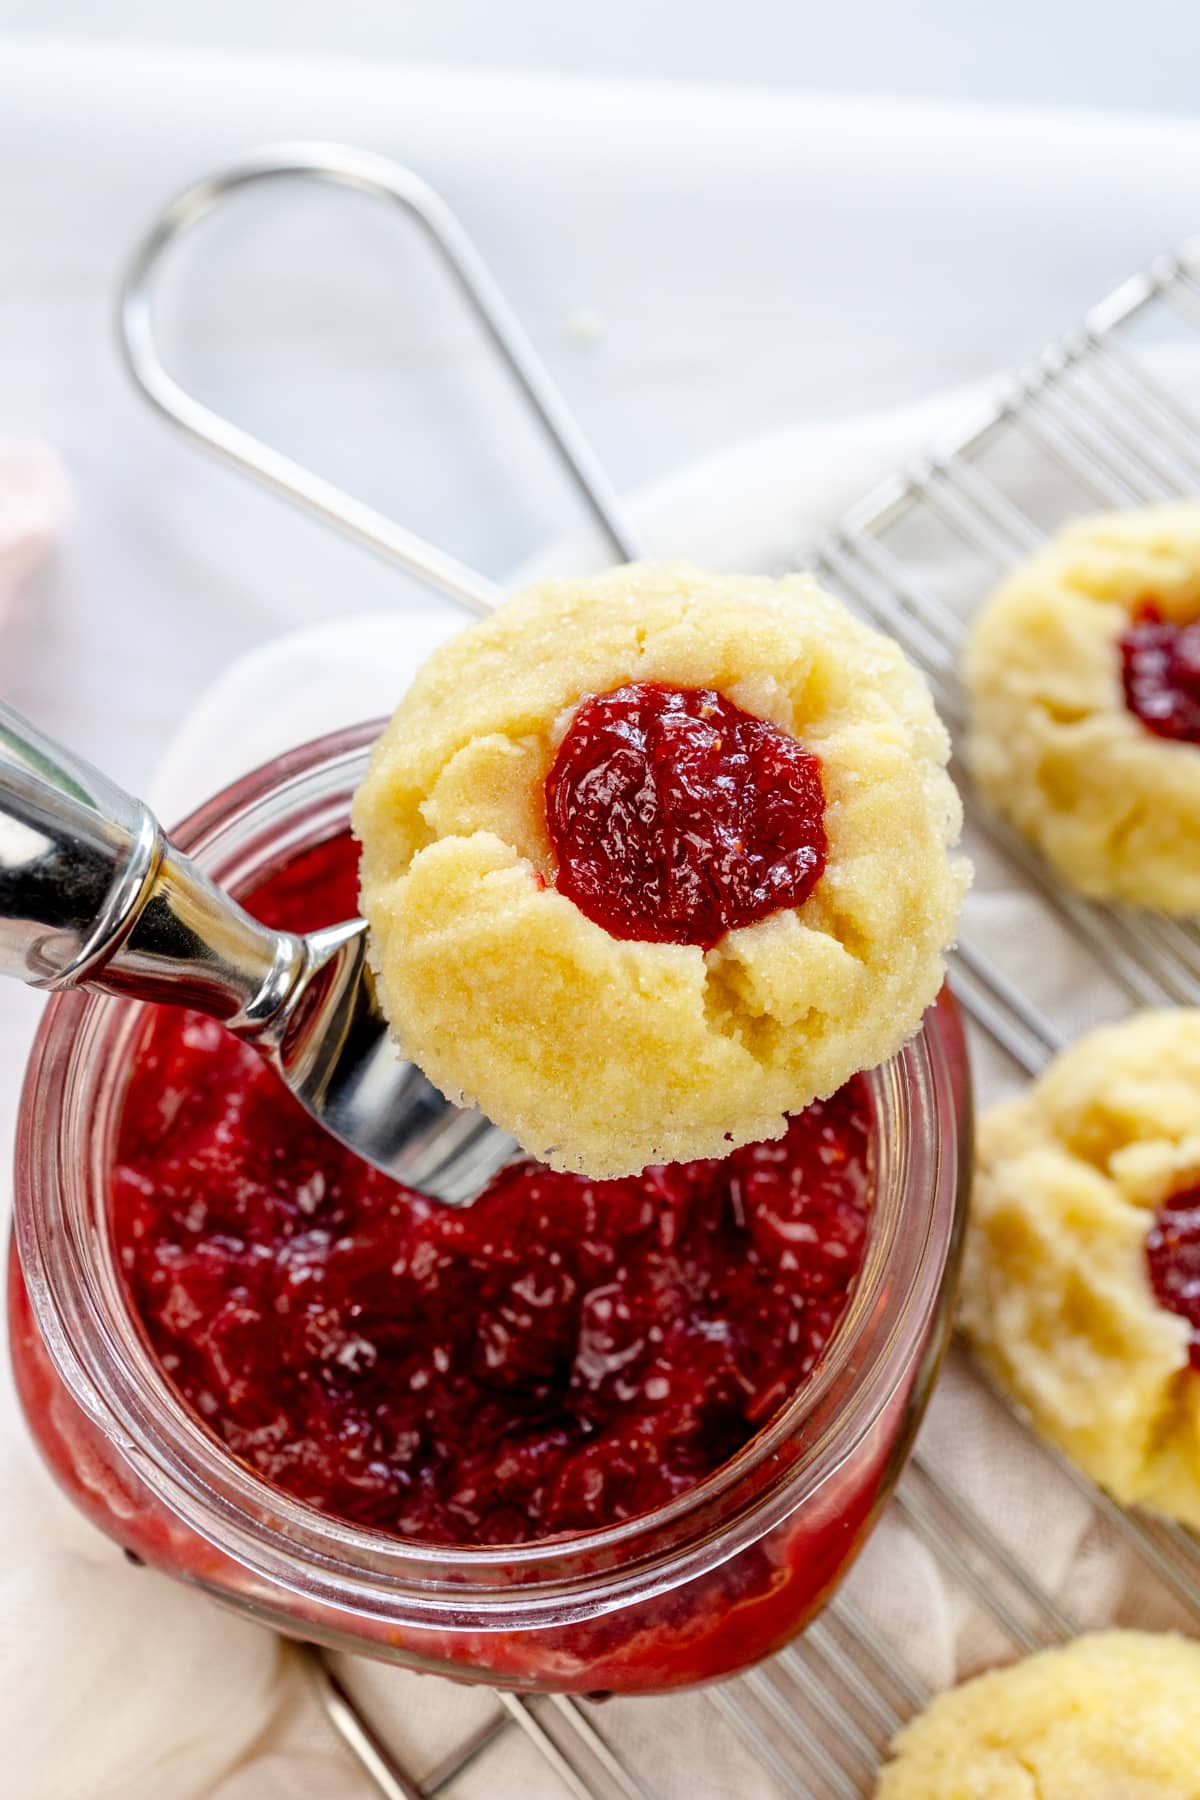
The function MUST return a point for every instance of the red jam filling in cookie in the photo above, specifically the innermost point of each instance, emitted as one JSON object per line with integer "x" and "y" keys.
{"x": 676, "y": 817}
{"x": 1173, "y": 1258}
{"x": 1160, "y": 667}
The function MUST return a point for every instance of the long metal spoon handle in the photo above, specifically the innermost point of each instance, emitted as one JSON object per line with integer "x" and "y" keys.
{"x": 93, "y": 894}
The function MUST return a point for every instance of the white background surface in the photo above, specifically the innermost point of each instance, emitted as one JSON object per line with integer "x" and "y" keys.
{"x": 1054, "y": 51}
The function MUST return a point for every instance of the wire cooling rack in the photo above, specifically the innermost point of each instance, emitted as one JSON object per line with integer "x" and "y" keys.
{"x": 1093, "y": 424}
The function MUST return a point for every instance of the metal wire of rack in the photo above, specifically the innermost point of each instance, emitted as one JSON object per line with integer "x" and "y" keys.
{"x": 1089, "y": 425}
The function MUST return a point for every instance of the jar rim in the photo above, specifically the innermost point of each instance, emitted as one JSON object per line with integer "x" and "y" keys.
{"x": 72, "y": 1094}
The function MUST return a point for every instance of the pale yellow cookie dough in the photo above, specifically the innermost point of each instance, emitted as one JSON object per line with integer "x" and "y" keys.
{"x": 1056, "y": 1295}
{"x": 602, "y": 1055}
{"x": 1112, "y": 1716}
{"x": 1052, "y": 744}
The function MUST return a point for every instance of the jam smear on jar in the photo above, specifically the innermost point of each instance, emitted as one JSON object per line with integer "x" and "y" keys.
{"x": 1173, "y": 1259}
{"x": 1160, "y": 669}
{"x": 676, "y": 817}
{"x": 561, "y": 1355}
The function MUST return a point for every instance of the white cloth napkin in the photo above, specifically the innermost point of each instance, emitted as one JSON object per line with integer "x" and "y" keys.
{"x": 116, "y": 1684}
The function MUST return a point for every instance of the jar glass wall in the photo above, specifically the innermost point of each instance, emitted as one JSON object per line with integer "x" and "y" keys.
{"x": 718, "y": 1578}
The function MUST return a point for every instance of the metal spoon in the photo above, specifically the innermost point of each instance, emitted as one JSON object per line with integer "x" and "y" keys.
{"x": 93, "y": 894}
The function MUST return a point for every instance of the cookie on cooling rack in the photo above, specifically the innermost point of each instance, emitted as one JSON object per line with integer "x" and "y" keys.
{"x": 653, "y": 859}
{"x": 1083, "y": 677}
{"x": 1081, "y": 1282}
{"x": 1108, "y": 1717}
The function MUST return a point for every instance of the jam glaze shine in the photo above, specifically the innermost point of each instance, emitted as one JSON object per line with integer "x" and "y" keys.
{"x": 676, "y": 817}
{"x": 1173, "y": 1261}
{"x": 1160, "y": 673}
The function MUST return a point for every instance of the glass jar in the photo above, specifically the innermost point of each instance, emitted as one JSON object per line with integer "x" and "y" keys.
{"x": 716, "y": 1579}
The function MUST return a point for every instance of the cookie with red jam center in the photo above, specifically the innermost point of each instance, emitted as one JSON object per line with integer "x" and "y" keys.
{"x": 1112, "y": 1713}
{"x": 1081, "y": 1284}
{"x": 653, "y": 860}
{"x": 1083, "y": 676}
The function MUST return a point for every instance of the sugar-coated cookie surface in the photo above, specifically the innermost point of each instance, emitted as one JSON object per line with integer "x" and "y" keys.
{"x": 1111, "y": 1716}
{"x": 601, "y": 1054}
{"x": 1057, "y": 1297}
{"x": 1053, "y": 744}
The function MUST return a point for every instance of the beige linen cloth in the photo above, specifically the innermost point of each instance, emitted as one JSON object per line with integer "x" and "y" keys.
{"x": 117, "y": 1684}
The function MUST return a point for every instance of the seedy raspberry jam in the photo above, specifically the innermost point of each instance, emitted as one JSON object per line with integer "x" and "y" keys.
{"x": 1173, "y": 1259}
{"x": 1160, "y": 666}
{"x": 563, "y": 1354}
{"x": 676, "y": 817}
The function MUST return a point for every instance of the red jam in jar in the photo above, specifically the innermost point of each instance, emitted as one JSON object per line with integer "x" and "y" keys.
{"x": 1160, "y": 671}
{"x": 559, "y": 1356}
{"x": 433, "y": 1437}
{"x": 676, "y": 817}
{"x": 1173, "y": 1260}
